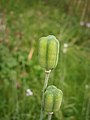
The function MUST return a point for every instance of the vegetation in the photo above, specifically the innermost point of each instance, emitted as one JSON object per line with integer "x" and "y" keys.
{"x": 22, "y": 23}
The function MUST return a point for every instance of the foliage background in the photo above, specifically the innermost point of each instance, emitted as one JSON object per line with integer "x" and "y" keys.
{"x": 22, "y": 23}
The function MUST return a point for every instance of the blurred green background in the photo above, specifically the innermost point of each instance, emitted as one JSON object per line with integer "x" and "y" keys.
{"x": 22, "y": 23}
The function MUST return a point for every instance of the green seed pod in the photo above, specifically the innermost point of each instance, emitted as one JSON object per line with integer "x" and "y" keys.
{"x": 52, "y": 99}
{"x": 48, "y": 52}
{"x": 57, "y": 100}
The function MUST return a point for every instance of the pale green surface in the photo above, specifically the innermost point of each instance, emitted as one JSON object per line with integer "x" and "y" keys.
{"x": 42, "y": 51}
{"x": 48, "y": 52}
{"x": 48, "y": 103}
{"x": 53, "y": 54}
{"x": 53, "y": 99}
{"x": 57, "y": 100}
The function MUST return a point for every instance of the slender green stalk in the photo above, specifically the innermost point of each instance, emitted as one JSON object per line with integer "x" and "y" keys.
{"x": 47, "y": 74}
{"x": 50, "y": 116}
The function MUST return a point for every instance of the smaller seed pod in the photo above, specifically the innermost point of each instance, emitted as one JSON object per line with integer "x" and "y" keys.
{"x": 48, "y": 52}
{"x": 52, "y": 99}
{"x": 48, "y": 103}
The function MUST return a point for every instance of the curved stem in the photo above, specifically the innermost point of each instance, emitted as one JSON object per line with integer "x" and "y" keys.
{"x": 47, "y": 74}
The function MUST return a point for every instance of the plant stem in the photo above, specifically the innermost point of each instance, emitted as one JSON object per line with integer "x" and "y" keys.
{"x": 50, "y": 116}
{"x": 47, "y": 74}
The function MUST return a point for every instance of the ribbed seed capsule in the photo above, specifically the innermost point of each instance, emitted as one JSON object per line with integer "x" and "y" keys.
{"x": 48, "y": 52}
{"x": 48, "y": 103}
{"x": 52, "y": 99}
{"x": 57, "y": 100}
